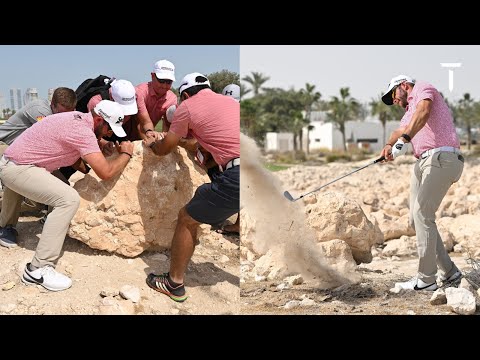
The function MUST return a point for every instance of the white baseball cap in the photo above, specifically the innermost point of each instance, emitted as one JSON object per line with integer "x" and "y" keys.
{"x": 164, "y": 69}
{"x": 193, "y": 79}
{"x": 232, "y": 90}
{"x": 112, "y": 113}
{"x": 123, "y": 93}
{"x": 397, "y": 80}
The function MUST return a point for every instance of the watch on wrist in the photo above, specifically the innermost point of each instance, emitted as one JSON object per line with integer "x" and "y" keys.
{"x": 406, "y": 137}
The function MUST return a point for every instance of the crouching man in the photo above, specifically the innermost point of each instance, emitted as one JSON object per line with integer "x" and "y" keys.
{"x": 25, "y": 171}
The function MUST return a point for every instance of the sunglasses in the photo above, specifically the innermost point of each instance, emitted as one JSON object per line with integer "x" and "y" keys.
{"x": 394, "y": 90}
{"x": 164, "y": 81}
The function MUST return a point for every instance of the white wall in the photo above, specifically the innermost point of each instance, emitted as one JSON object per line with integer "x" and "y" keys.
{"x": 325, "y": 135}
{"x": 320, "y": 136}
{"x": 282, "y": 142}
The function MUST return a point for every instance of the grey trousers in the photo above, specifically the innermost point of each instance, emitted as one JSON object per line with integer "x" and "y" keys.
{"x": 41, "y": 186}
{"x": 430, "y": 181}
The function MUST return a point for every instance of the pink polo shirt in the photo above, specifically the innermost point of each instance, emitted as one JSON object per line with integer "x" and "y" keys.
{"x": 94, "y": 100}
{"x": 214, "y": 120}
{"x": 57, "y": 141}
{"x": 439, "y": 129}
{"x": 149, "y": 102}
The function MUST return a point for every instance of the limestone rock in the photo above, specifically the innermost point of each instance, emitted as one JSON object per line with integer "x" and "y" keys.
{"x": 138, "y": 209}
{"x": 337, "y": 217}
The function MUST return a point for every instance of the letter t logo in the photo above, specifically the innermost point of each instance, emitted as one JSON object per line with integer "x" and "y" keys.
{"x": 450, "y": 72}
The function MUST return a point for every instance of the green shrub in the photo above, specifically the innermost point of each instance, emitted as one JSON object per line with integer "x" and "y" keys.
{"x": 338, "y": 156}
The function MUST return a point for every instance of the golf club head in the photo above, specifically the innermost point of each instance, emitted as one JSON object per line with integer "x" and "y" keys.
{"x": 288, "y": 196}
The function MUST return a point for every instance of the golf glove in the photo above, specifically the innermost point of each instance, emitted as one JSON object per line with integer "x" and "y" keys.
{"x": 399, "y": 148}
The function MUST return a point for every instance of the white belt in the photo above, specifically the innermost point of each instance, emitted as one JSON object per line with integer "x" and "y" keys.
{"x": 230, "y": 164}
{"x": 442, "y": 148}
{"x": 4, "y": 160}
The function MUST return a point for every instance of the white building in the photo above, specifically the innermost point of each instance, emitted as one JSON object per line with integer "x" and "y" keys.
{"x": 30, "y": 95}
{"x": 16, "y": 101}
{"x": 2, "y": 104}
{"x": 281, "y": 142}
{"x": 364, "y": 134}
{"x": 50, "y": 94}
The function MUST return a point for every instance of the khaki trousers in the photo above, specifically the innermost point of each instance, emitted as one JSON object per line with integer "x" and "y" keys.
{"x": 38, "y": 184}
{"x": 431, "y": 179}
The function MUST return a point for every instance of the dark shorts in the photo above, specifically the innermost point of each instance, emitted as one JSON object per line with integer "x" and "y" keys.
{"x": 215, "y": 202}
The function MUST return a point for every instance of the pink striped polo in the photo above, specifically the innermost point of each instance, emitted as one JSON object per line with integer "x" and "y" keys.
{"x": 95, "y": 99}
{"x": 57, "y": 141}
{"x": 214, "y": 120}
{"x": 149, "y": 102}
{"x": 439, "y": 129}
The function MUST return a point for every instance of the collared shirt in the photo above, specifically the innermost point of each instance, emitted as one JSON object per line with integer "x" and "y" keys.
{"x": 149, "y": 102}
{"x": 439, "y": 129}
{"x": 214, "y": 120}
{"x": 56, "y": 141}
{"x": 95, "y": 99}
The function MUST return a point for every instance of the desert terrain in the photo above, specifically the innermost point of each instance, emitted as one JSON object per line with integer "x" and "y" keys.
{"x": 342, "y": 249}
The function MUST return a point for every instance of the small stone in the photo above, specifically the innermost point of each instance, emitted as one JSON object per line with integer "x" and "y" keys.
{"x": 8, "y": 286}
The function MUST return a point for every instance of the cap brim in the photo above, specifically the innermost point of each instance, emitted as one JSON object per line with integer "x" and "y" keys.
{"x": 165, "y": 75}
{"x": 118, "y": 130}
{"x": 130, "y": 109}
{"x": 387, "y": 98}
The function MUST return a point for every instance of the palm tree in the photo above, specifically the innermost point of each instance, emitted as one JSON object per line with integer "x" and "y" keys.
{"x": 384, "y": 113}
{"x": 465, "y": 112}
{"x": 244, "y": 91}
{"x": 6, "y": 113}
{"x": 256, "y": 81}
{"x": 341, "y": 110}
{"x": 310, "y": 98}
{"x": 248, "y": 115}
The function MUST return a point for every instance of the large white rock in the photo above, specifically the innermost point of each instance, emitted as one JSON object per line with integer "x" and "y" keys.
{"x": 138, "y": 209}
{"x": 460, "y": 301}
{"x": 337, "y": 217}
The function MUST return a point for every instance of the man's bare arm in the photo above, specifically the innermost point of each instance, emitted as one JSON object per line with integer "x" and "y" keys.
{"x": 107, "y": 169}
{"x": 164, "y": 146}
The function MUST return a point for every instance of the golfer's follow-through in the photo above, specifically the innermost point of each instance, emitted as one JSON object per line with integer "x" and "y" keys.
{"x": 291, "y": 198}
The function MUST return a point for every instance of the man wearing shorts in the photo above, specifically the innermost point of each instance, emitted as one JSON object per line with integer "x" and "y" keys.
{"x": 214, "y": 120}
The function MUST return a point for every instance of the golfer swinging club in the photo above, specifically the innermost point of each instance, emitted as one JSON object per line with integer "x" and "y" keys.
{"x": 428, "y": 126}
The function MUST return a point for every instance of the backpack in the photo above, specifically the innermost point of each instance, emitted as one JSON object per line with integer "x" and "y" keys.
{"x": 92, "y": 87}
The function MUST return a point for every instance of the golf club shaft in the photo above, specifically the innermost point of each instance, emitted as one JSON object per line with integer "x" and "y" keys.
{"x": 350, "y": 173}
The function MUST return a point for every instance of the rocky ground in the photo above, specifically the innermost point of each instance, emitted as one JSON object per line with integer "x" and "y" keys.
{"x": 341, "y": 250}
{"x": 105, "y": 282}
{"x": 369, "y": 297}
{"x": 212, "y": 279}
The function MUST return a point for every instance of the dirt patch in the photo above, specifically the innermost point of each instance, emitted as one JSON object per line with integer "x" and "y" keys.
{"x": 370, "y": 297}
{"x": 212, "y": 278}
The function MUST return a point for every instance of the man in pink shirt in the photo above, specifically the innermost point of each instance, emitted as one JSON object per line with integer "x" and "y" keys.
{"x": 122, "y": 92}
{"x": 56, "y": 141}
{"x": 154, "y": 99}
{"x": 428, "y": 126}
{"x": 214, "y": 120}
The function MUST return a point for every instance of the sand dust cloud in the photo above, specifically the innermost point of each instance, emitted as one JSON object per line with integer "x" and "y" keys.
{"x": 280, "y": 222}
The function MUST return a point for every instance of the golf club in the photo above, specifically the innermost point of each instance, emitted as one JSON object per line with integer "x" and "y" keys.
{"x": 291, "y": 198}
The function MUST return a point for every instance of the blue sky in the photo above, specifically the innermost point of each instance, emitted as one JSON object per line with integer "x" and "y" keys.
{"x": 50, "y": 66}
{"x": 365, "y": 69}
